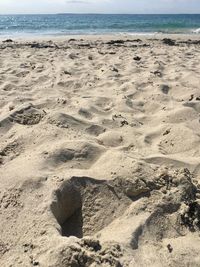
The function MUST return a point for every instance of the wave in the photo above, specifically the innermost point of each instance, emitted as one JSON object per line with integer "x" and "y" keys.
{"x": 196, "y": 30}
{"x": 138, "y": 33}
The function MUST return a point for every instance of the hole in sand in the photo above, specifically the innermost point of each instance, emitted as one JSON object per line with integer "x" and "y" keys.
{"x": 73, "y": 225}
{"x": 84, "y": 206}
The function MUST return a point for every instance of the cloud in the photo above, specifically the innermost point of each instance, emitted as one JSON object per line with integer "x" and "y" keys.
{"x": 97, "y": 2}
{"x": 77, "y": 2}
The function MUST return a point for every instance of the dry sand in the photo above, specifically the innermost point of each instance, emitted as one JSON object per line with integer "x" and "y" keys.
{"x": 100, "y": 152}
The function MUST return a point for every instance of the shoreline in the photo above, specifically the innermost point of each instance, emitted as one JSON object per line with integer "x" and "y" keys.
{"x": 94, "y": 37}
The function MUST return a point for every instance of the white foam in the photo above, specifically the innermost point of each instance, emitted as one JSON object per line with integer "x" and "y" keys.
{"x": 196, "y": 30}
{"x": 138, "y": 33}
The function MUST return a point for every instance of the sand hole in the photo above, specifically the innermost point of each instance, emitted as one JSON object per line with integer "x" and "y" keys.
{"x": 83, "y": 206}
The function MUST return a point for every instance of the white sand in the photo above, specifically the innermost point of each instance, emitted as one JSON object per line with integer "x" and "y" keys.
{"x": 103, "y": 147}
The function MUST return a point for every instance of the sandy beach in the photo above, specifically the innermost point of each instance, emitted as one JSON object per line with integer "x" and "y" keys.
{"x": 100, "y": 151}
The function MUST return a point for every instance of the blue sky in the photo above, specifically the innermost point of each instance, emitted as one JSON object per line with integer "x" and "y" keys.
{"x": 99, "y": 6}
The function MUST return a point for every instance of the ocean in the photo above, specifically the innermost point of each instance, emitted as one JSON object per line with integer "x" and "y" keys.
{"x": 72, "y": 24}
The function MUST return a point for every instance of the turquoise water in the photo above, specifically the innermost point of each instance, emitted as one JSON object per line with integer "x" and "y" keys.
{"x": 66, "y": 24}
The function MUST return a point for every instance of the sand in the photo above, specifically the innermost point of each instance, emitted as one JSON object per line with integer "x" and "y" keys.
{"x": 99, "y": 152}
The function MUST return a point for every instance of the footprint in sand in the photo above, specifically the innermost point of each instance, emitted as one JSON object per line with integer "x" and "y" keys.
{"x": 77, "y": 155}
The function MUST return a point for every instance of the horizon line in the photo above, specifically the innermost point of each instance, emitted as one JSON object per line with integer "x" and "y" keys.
{"x": 91, "y": 13}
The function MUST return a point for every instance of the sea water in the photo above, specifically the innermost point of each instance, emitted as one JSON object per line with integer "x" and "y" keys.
{"x": 73, "y": 24}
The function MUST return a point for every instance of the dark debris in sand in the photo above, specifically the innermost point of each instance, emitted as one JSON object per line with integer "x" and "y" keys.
{"x": 76, "y": 43}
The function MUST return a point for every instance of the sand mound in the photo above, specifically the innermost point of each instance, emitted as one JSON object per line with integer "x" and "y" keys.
{"x": 85, "y": 253}
{"x": 165, "y": 207}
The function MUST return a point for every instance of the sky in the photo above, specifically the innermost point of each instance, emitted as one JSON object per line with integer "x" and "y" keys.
{"x": 99, "y": 6}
